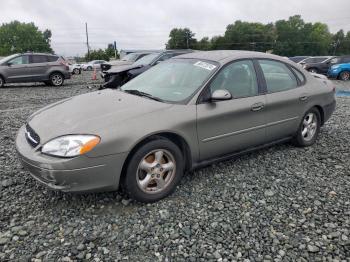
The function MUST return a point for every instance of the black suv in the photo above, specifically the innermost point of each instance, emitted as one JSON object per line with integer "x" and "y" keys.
{"x": 318, "y": 64}
{"x": 119, "y": 75}
{"x": 34, "y": 67}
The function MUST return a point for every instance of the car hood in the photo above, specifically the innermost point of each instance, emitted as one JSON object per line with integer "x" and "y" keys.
{"x": 93, "y": 113}
{"x": 122, "y": 68}
{"x": 120, "y": 62}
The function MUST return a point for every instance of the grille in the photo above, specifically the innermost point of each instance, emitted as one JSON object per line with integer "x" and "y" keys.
{"x": 32, "y": 137}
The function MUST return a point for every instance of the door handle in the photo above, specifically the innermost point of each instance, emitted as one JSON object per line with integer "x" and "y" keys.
{"x": 303, "y": 98}
{"x": 257, "y": 106}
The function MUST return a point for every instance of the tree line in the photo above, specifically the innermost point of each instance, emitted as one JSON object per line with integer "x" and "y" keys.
{"x": 290, "y": 37}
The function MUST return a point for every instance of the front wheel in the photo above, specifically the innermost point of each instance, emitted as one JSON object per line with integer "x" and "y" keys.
{"x": 313, "y": 70}
{"x": 56, "y": 79}
{"x": 345, "y": 76}
{"x": 308, "y": 129}
{"x": 76, "y": 71}
{"x": 153, "y": 171}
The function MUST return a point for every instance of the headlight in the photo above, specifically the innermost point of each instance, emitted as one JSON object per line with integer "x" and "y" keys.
{"x": 70, "y": 145}
{"x": 334, "y": 67}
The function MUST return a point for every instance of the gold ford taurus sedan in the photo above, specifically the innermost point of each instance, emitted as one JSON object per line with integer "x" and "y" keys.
{"x": 179, "y": 115}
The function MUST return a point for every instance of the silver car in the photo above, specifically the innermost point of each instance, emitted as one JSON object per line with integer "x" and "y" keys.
{"x": 34, "y": 67}
{"x": 182, "y": 114}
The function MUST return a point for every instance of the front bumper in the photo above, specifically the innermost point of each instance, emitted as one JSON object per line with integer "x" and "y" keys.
{"x": 333, "y": 74}
{"x": 78, "y": 174}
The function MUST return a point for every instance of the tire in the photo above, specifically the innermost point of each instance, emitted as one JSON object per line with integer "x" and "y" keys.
{"x": 313, "y": 70}
{"x": 309, "y": 129}
{"x": 89, "y": 68}
{"x": 2, "y": 82}
{"x": 345, "y": 76}
{"x": 76, "y": 71}
{"x": 56, "y": 79}
{"x": 146, "y": 178}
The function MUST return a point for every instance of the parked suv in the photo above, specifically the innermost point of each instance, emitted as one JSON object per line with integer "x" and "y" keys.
{"x": 33, "y": 67}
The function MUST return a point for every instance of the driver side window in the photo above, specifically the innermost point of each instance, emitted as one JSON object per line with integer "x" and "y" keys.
{"x": 238, "y": 78}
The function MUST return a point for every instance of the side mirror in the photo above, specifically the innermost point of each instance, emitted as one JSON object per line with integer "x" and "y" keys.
{"x": 9, "y": 64}
{"x": 220, "y": 95}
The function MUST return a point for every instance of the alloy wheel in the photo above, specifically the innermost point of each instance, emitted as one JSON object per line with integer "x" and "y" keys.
{"x": 156, "y": 171}
{"x": 57, "y": 80}
{"x": 309, "y": 126}
{"x": 345, "y": 76}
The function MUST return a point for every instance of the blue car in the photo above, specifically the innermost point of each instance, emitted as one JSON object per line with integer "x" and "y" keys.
{"x": 339, "y": 71}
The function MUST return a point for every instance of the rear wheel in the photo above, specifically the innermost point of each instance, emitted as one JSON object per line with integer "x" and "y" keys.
{"x": 76, "y": 71}
{"x": 89, "y": 68}
{"x": 2, "y": 82}
{"x": 56, "y": 79}
{"x": 345, "y": 75}
{"x": 153, "y": 171}
{"x": 308, "y": 129}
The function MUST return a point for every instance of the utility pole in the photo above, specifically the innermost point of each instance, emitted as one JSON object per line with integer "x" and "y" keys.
{"x": 87, "y": 41}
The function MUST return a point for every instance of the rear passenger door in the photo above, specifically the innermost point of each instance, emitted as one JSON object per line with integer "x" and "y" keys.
{"x": 38, "y": 66}
{"x": 286, "y": 98}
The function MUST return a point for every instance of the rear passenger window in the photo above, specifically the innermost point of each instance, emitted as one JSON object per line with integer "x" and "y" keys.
{"x": 278, "y": 76}
{"x": 52, "y": 58}
{"x": 39, "y": 59}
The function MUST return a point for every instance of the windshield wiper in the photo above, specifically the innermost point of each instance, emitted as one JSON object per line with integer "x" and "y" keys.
{"x": 140, "y": 93}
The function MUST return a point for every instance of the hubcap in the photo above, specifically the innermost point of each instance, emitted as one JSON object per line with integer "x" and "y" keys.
{"x": 56, "y": 80}
{"x": 156, "y": 171}
{"x": 309, "y": 128}
{"x": 346, "y": 76}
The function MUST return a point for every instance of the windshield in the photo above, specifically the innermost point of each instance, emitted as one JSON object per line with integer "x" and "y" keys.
{"x": 173, "y": 81}
{"x": 146, "y": 60}
{"x": 130, "y": 57}
{"x": 7, "y": 58}
{"x": 316, "y": 60}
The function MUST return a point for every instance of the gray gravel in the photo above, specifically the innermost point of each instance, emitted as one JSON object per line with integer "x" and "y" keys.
{"x": 278, "y": 204}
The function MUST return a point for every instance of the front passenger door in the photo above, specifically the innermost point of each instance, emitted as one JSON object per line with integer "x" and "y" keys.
{"x": 17, "y": 69}
{"x": 232, "y": 125}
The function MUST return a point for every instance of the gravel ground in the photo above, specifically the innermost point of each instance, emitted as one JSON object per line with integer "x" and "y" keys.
{"x": 278, "y": 204}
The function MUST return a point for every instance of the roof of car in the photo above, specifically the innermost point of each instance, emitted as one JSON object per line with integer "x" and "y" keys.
{"x": 222, "y": 56}
{"x": 33, "y": 53}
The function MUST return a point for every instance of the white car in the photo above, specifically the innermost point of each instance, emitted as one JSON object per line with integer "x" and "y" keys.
{"x": 95, "y": 64}
{"x": 75, "y": 69}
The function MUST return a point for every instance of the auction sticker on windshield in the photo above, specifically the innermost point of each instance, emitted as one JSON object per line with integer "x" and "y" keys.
{"x": 205, "y": 65}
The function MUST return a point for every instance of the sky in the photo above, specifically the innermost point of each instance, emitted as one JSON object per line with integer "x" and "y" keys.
{"x": 145, "y": 24}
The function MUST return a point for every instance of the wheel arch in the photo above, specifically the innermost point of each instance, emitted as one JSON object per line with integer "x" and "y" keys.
{"x": 173, "y": 137}
{"x": 321, "y": 111}
{"x": 3, "y": 78}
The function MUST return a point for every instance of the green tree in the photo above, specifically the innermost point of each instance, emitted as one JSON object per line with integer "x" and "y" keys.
{"x": 100, "y": 54}
{"x": 249, "y": 36}
{"x": 17, "y": 37}
{"x": 203, "y": 44}
{"x": 295, "y": 37}
{"x": 181, "y": 38}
